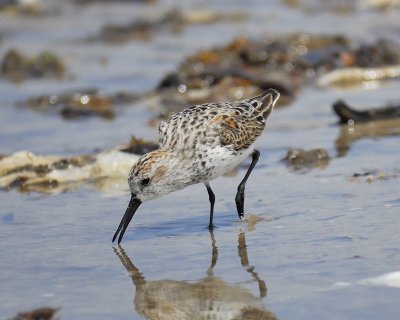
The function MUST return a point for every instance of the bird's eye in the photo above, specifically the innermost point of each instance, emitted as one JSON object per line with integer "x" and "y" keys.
{"x": 145, "y": 182}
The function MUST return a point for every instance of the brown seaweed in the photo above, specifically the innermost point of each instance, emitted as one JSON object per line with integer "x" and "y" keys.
{"x": 17, "y": 67}
{"x": 90, "y": 2}
{"x": 245, "y": 67}
{"x": 139, "y": 146}
{"x": 141, "y": 29}
{"x": 80, "y": 103}
{"x": 302, "y": 160}
{"x": 15, "y": 7}
{"x": 44, "y": 313}
{"x": 172, "y": 21}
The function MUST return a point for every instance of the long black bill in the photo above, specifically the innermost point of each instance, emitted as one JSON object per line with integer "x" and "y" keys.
{"x": 134, "y": 203}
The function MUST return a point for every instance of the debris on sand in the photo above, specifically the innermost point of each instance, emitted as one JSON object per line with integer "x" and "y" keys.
{"x": 341, "y": 7}
{"x": 172, "y": 21}
{"x": 355, "y": 77}
{"x": 365, "y": 64}
{"x": 21, "y": 7}
{"x": 80, "y": 103}
{"x": 17, "y": 67}
{"x": 246, "y": 67}
{"x": 27, "y": 172}
{"x": 89, "y": 2}
{"x": 45, "y": 313}
{"x": 369, "y": 176}
{"x": 300, "y": 160}
{"x": 139, "y": 146}
{"x": 142, "y": 29}
{"x": 238, "y": 70}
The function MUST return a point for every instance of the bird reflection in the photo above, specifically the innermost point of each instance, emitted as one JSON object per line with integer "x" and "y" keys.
{"x": 349, "y": 134}
{"x": 208, "y": 298}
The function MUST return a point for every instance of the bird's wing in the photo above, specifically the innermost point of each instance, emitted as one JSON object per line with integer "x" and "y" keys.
{"x": 241, "y": 129}
{"x": 236, "y": 124}
{"x": 162, "y": 130}
{"x": 195, "y": 126}
{"x": 238, "y": 130}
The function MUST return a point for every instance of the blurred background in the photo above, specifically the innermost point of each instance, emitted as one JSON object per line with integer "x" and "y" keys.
{"x": 83, "y": 87}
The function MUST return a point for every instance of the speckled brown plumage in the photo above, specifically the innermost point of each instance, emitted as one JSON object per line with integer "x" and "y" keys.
{"x": 235, "y": 125}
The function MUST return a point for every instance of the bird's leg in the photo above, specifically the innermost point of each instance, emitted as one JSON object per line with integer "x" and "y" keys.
{"x": 239, "y": 199}
{"x": 211, "y": 197}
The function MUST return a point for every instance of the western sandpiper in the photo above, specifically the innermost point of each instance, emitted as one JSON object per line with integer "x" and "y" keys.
{"x": 199, "y": 144}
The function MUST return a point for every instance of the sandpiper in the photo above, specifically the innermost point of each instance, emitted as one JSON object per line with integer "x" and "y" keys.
{"x": 197, "y": 145}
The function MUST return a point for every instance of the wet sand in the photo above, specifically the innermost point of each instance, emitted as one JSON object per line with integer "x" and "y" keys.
{"x": 322, "y": 231}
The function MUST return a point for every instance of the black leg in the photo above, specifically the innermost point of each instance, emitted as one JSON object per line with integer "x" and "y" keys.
{"x": 211, "y": 197}
{"x": 239, "y": 199}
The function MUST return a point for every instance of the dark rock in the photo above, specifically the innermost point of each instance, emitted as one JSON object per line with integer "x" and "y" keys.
{"x": 45, "y": 313}
{"x": 346, "y": 114}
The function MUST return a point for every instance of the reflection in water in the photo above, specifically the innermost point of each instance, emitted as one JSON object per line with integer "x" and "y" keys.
{"x": 352, "y": 132}
{"x": 209, "y": 298}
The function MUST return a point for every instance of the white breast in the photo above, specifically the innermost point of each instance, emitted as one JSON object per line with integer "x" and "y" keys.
{"x": 221, "y": 160}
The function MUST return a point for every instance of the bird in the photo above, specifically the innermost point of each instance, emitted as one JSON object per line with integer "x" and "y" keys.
{"x": 197, "y": 145}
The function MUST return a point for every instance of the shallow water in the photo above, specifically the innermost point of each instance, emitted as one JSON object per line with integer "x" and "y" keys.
{"x": 318, "y": 228}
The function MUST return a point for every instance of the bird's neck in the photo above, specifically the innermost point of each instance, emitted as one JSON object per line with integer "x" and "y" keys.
{"x": 182, "y": 170}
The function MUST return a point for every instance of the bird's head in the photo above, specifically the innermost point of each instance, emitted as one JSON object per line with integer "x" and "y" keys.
{"x": 148, "y": 179}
